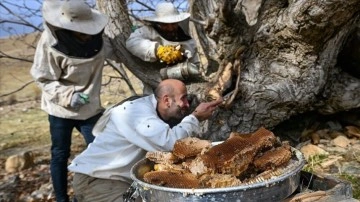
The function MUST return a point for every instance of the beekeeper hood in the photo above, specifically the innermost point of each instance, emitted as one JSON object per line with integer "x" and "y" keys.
{"x": 74, "y": 15}
{"x": 166, "y": 12}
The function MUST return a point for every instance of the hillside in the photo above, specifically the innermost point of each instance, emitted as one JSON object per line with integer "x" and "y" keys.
{"x": 14, "y": 73}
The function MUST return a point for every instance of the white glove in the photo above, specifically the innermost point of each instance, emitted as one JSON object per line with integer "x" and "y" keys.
{"x": 188, "y": 54}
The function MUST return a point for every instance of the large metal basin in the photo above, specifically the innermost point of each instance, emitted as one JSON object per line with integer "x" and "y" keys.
{"x": 275, "y": 189}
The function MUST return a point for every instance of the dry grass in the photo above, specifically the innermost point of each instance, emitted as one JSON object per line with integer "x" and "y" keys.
{"x": 23, "y": 127}
{"x": 15, "y": 73}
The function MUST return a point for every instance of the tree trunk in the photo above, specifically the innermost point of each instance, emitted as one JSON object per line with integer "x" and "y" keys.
{"x": 286, "y": 51}
{"x": 118, "y": 30}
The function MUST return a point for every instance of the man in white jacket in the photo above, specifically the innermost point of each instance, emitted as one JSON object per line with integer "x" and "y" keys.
{"x": 68, "y": 67}
{"x": 150, "y": 123}
{"x": 168, "y": 27}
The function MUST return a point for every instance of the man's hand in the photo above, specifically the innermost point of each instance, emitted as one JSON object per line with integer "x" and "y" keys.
{"x": 205, "y": 109}
{"x": 78, "y": 100}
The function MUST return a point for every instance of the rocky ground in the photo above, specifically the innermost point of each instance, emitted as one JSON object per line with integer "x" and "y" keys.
{"x": 24, "y": 170}
{"x": 331, "y": 146}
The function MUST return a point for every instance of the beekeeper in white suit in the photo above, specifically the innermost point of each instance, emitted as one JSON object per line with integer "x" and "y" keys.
{"x": 148, "y": 123}
{"x": 165, "y": 39}
{"x": 68, "y": 65}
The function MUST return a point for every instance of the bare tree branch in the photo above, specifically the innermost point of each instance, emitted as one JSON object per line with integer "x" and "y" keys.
{"x": 19, "y": 89}
{"x": 4, "y": 55}
{"x": 110, "y": 79}
{"x": 22, "y": 20}
{"x": 145, "y": 5}
{"x": 120, "y": 69}
{"x": 20, "y": 23}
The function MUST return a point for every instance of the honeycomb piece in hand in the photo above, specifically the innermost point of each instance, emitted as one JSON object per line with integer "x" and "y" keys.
{"x": 170, "y": 54}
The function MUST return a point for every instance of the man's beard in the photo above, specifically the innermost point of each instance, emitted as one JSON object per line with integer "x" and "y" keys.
{"x": 181, "y": 113}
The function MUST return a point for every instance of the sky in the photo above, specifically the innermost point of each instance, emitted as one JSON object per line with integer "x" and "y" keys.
{"x": 21, "y": 12}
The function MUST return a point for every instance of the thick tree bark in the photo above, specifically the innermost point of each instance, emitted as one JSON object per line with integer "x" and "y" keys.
{"x": 287, "y": 52}
{"x": 290, "y": 63}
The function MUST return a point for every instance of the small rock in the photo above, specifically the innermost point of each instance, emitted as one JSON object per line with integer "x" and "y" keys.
{"x": 19, "y": 162}
{"x": 311, "y": 150}
{"x": 351, "y": 168}
{"x": 341, "y": 141}
{"x": 352, "y": 131}
{"x": 336, "y": 150}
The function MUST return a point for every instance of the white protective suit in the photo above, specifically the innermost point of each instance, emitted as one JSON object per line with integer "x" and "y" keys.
{"x": 144, "y": 40}
{"x": 60, "y": 76}
{"x": 132, "y": 129}
{"x": 143, "y": 43}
